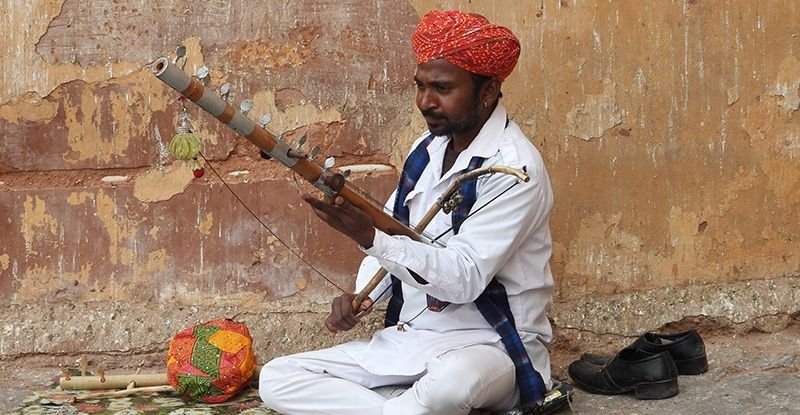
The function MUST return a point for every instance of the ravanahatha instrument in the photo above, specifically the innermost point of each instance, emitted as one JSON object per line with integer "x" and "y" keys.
{"x": 329, "y": 182}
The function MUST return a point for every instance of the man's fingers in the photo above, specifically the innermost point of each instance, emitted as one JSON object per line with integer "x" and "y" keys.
{"x": 329, "y": 325}
{"x": 323, "y": 210}
{"x": 341, "y": 317}
{"x": 350, "y": 319}
{"x": 364, "y": 309}
{"x": 336, "y": 313}
{"x": 326, "y": 202}
{"x": 345, "y": 313}
{"x": 314, "y": 202}
{"x": 345, "y": 206}
{"x": 320, "y": 214}
{"x": 334, "y": 324}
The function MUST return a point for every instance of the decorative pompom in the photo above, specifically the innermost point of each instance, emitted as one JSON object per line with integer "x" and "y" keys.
{"x": 185, "y": 145}
{"x": 211, "y": 361}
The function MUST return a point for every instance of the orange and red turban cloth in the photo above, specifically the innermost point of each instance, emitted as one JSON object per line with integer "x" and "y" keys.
{"x": 468, "y": 41}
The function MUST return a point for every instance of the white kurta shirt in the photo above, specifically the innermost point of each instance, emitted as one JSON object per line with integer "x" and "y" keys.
{"x": 508, "y": 239}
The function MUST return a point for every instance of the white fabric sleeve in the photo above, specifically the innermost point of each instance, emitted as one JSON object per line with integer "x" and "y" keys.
{"x": 369, "y": 266}
{"x": 460, "y": 272}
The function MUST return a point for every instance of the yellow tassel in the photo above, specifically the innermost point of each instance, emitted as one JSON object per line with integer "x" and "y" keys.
{"x": 185, "y": 145}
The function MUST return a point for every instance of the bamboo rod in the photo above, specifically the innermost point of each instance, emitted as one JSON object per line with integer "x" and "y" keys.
{"x": 112, "y": 381}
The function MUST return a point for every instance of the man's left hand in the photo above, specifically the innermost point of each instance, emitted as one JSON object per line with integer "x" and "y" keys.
{"x": 345, "y": 218}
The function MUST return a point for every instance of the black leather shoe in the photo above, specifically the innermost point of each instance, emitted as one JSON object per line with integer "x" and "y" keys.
{"x": 648, "y": 376}
{"x": 687, "y": 350}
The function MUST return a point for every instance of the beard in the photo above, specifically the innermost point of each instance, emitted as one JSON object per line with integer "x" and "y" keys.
{"x": 440, "y": 124}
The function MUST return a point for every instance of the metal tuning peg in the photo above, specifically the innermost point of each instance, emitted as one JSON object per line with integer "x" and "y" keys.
{"x": 265, "y": 119}
{"x": 224, "y": 91}
{"x": 451, "y": 203}
{"x": 203, "y": 75}
{"x": 298, "y": 153}
{"x": 330, "y": 182}
{"x": 314, "y": 152}
{"x": 346, "y": 173}
{"x": 246, "y": 106}
{"x": 180, "y": 53}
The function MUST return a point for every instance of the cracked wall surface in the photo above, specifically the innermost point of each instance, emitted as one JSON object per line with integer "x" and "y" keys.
{"x": 670, "y": 130}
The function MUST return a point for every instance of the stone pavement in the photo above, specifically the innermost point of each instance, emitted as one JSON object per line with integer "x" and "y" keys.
{"x": 750, "y": 374}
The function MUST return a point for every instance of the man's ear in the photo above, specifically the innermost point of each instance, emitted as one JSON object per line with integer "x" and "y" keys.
{"x": 491, "y": 91}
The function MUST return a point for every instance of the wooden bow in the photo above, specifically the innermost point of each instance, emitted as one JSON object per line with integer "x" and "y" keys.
{"x": 446, "y": 203}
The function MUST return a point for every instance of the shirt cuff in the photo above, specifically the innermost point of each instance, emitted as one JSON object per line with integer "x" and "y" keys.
{"x": 378, "y": 245}
{"x": 389, "y": 251}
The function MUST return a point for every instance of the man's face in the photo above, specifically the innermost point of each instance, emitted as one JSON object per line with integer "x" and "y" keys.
{"x": 447, "y": 98}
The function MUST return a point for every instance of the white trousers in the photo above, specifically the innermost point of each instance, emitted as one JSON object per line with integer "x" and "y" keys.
{"x": 328, "y": 381}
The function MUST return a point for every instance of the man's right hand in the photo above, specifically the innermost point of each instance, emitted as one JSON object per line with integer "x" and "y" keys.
{"x": 341, "y": 317}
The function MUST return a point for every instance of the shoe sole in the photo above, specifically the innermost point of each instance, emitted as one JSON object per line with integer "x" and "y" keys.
{"x": 656, "y": 390}
{"x": 694, "y": 366}
{"x": 645, "y": 391}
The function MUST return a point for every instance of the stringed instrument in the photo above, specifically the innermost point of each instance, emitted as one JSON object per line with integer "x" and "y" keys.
{"x": 331, "y": 183}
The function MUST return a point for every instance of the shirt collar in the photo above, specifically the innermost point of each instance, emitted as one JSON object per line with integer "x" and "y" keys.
{"x": 486, "y": 144}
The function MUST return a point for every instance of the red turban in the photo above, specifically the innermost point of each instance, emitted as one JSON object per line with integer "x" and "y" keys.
{"x": 468, "y": 41}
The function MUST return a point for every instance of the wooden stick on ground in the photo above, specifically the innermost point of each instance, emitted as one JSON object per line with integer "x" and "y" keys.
{"x": 124, "y": 392}
{"x": 113, "y": 381}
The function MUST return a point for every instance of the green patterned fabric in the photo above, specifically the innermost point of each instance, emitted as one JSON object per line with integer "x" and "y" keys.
{"x": 204, "y": 332}
{"x": 205, "y": 356}
{"x": 197, "y": 386}
{"x": 59, "y": 402}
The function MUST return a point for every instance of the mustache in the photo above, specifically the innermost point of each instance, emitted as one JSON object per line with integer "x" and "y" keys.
{"x": 432, "y": 114}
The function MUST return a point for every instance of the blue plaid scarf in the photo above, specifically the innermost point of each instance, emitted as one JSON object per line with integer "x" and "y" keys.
{"x": 492, "y": 303}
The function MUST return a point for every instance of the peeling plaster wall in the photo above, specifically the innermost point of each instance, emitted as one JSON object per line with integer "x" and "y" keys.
{"x": 670, "y": 130}
{"x": 671, "y": 133}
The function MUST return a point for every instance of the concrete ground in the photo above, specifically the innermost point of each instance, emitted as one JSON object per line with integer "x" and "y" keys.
{"x": 750, "y": 374}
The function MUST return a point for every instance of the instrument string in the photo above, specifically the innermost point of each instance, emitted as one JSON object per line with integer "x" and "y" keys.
{"x": 446, "y": 231}
{"x": 264, "y": 225}
{"x": 401, "y": 325}
{"x": 433, "y": 240}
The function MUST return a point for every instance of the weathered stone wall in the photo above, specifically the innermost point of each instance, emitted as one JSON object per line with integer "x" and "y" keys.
{"x": 670, "y": 130}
